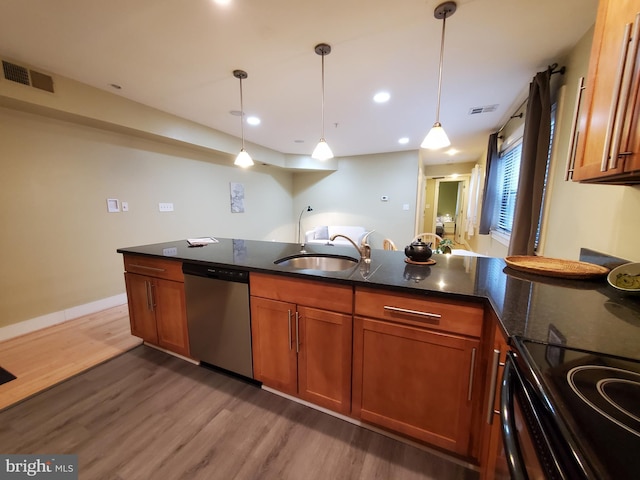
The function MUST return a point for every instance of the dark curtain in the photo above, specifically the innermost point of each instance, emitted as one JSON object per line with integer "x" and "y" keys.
{"x": 533, "y": 163}
{"x": 490, "y": 186}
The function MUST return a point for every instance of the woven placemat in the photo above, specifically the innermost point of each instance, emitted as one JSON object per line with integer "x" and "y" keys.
{"x": 555, "y": 267}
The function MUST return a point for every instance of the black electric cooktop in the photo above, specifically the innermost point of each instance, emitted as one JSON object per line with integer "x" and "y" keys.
{"x": 596, "y": 400}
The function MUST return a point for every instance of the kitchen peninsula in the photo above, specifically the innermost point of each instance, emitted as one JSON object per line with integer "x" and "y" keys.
{"x": 376, "y": 328}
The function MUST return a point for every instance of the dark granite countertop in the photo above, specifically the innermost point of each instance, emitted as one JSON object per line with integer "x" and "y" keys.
{"x": 586, "y": 314}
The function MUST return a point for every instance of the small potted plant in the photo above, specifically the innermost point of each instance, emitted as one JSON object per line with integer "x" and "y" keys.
{"x": 445, "y": 245}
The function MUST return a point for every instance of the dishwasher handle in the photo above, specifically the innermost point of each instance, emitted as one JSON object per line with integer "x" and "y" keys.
{"x": 219, "y": 273}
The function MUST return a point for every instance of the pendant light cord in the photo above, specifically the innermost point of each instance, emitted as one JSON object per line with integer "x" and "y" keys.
{"x": 241, "y": 114}
{"x": 322, "y": 128}
{"x": 444, "y": 22}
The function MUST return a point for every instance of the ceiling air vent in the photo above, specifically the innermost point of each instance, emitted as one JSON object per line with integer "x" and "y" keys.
{"x": 485, "y": 109}
{"x": 19, "y": 74}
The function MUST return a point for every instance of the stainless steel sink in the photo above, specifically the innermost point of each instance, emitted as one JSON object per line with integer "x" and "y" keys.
{"x": 327, "y": 263}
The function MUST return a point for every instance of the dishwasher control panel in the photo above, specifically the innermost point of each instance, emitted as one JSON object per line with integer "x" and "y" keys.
{"x": 221, "y": 273}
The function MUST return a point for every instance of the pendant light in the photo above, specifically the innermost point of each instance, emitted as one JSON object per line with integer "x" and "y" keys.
{"x": 322, "y": 150}
{"x": 243, "y": 159}
{"x": 437, "y": 138}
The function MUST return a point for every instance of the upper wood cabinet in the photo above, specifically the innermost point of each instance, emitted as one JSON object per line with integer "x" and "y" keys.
{"x": 157, "y": 308}
{"x": 608, "y": 149}
{"x": 298, "y": 348}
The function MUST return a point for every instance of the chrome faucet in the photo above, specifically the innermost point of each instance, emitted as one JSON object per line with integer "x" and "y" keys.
{"x": 364, "y": 249}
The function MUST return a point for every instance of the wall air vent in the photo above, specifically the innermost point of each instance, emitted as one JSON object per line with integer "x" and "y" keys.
{"x": 19, "y": 74}
{"x": 485, "y": 109}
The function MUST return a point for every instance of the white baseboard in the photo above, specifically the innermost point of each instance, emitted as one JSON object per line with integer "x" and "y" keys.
{"x": 50, "y": 319}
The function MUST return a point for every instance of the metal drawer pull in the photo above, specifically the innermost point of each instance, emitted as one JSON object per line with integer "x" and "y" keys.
{"x": 492, "y": 392}
{"x": 615, "y": 97}
{"x": 412, "y": 312}
{"x": 144, "y": 267}
{"x": 471, "y": 371}
{"x": 573, "y": 136}
{"x": 290, "y": 347}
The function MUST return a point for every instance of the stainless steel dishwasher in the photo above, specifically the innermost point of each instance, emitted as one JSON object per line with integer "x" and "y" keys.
{"x": 218, "y": 317}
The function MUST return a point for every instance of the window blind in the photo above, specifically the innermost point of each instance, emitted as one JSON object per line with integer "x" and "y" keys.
{"x": 508, "y": 173}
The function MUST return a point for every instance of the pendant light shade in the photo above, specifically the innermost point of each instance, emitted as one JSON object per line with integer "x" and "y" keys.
{"x": 243, "y": 159}
{"x": 437, "y": 138}
{"x": 322, "y": 150}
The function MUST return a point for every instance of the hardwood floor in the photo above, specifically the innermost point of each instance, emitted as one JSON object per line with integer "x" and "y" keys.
{"x": 44, "y": 358}
{"x": 145, "y": 414}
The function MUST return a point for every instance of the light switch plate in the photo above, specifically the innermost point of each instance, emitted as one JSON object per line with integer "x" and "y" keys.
{"x": 165, "y": 207}
{"x": 113, "y": 205}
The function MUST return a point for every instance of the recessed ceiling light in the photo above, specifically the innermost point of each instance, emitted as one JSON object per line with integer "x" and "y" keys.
{"x": 381, "y": 97}
{"x": 253, "y": 120}
{"x": 403, "y": 140}
{"x": 222, "y": 2}
{"x": 451, "y": 151}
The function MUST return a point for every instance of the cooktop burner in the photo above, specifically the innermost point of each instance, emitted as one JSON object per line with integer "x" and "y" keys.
{"x": 597, "y": 398}
{"x": 612, "y": 392}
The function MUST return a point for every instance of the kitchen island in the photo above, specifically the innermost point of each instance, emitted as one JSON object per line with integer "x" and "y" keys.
{"x": 411, "y": 353}
{"x": 588, "y": 314}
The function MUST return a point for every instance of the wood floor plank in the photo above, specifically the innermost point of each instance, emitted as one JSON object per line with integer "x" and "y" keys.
{"x": 49, "y": 356}
{"x": 145, "y": 414}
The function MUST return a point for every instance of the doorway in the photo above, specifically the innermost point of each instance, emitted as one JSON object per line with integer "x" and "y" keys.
{"x": 445, "y": 198}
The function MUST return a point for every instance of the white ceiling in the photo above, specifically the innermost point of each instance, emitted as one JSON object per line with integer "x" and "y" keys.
{"x": 178, "y": 56}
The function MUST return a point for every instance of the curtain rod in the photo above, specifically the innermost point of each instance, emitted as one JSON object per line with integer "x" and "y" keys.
{"x": 553, "y": 68}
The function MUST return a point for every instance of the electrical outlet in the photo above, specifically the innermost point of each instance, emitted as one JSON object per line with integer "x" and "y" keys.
{"x": 165, "y": 207}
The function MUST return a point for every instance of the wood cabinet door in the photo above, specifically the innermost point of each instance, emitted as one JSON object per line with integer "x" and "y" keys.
{"x": 273, "y": 342}
{"x": 414, "y": 381}
{"x": 324, "y": 358}
{"x": 494, "y": 464}
{"x": 141, "y": 314}
{"x": 600, "y": 101}
{"x": 171, "y": 315}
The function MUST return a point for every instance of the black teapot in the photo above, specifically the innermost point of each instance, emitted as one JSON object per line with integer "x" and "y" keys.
{"x": 418, "y": 251}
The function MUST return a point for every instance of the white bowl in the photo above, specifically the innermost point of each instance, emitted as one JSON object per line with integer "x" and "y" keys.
{"x": 625, "y": 278}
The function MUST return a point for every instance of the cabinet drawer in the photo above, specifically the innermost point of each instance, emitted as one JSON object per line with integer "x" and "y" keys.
{"x": 453, "y": 316}
{"x": 338, "y": 298}
{"x": 154, "y": 267}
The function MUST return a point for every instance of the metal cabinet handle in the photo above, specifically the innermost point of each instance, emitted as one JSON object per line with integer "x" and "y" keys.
{"x": 492, "y": 388}
{"x": 573, "y": 136}
{"x": 412, "y": 312}
{"x": 152, "y": 296}
{"x": 290, "y": 347}
{"x": 144, "y": 267}
{"x": 615, "y": 96}
{"x": 630, "y": 63}
{"x": 471, "y": 372}
{"x": 297, "y": 333}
